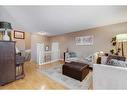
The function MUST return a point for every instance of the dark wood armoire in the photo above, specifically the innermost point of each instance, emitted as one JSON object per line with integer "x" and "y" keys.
{"x": 7, "y": 62}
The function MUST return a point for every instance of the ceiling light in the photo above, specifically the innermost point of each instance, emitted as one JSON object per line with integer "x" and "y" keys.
{"x": 42, "y": 33}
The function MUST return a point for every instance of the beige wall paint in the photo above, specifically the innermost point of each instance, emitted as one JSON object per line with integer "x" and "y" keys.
{"x": 23, "y": 44}
{"x": 27, "y": 40}
{"x": 102, "y": 37}
{"x": 34, "y": 40}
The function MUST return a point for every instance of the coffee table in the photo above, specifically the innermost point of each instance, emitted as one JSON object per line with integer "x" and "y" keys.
{"x": 76, "y": 70}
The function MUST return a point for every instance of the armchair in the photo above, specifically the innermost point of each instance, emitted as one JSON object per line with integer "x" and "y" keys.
{"x": 71, "y": 56}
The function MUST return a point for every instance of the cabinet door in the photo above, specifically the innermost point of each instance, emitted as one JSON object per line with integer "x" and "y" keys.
{"x": 7, "y": 62}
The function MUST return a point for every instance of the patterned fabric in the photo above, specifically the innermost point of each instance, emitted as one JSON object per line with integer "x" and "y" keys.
{"x": 119, "y": 63}
{"x": 121, "y": 58}
{"x": 26, "y": 54}
{"x": 89, "y": 58}
{"x": 72, "y": 54}
{"x": 103, "y": 59}
{"x": 55, "y": 73}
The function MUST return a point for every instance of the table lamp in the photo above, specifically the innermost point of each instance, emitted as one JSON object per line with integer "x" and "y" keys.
{"x": 5, "y": 26}
{"x": 121, "y": 38}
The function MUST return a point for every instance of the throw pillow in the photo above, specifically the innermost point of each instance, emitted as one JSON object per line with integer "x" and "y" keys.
{"x": 119, "y": 63}
{"x": 104, "y": 59}
{"x": 116, "y": 57}
{"x": 72, "y": 54}
{"x": 122, "y": 63}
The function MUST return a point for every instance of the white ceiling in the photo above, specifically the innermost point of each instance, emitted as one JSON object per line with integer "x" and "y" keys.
{"x": 61, "y": 19}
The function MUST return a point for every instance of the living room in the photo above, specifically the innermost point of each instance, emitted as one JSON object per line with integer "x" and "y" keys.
{"x": 69, "y": 50}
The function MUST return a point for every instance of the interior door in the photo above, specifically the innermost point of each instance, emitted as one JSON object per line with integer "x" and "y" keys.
{"x": 40, "y": 53}
{"x": 55, "y": 51}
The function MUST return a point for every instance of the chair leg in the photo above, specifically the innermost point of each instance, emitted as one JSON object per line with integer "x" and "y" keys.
{"x": 22, "y": 69}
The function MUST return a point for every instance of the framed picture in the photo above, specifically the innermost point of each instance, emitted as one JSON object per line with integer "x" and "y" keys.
{"x": 78, "y": 41}
{"x": 84, "y": 40}
{"x": 19, "y": 34}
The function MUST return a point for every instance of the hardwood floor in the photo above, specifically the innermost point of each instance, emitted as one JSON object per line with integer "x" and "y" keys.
{"x": 35, "y": 80}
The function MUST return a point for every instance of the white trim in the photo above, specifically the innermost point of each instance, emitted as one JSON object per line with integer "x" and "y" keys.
{"x": 61, "y": 59}
{"x": 48, "y": 61}
{"x": 51, "y": 61}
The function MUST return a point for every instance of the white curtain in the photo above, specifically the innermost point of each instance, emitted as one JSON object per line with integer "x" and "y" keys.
{"x": 124, "y": 48}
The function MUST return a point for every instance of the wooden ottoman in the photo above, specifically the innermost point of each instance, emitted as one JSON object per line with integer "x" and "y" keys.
{"x": 75, "y": 70}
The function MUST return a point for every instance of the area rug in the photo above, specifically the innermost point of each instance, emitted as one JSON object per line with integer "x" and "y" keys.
{"x": 55, "y": 73}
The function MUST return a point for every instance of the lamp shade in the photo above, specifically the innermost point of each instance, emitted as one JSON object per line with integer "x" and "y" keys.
{"x": 5, "y": 26}
{"x": 121, "y": 37}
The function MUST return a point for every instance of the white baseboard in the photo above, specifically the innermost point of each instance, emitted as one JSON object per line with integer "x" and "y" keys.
{"x": 48, "y": 61}
{"x": 51, "y": 61}
{"x": 61, "y": 59}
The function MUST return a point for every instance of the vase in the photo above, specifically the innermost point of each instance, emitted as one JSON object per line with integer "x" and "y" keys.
{"x": 1, "y": 36}
{"x": 6, "y": 37}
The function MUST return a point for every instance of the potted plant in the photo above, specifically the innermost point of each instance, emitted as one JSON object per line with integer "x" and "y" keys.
{"x": 116, "y": 50}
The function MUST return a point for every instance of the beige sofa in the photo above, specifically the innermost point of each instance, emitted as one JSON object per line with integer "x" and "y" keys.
{"x": 109, "y": 77}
